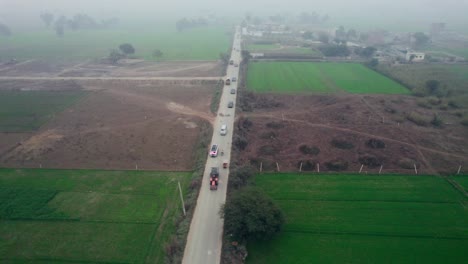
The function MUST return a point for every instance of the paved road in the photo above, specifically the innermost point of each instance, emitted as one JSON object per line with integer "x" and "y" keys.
{"x": 204, "y": 240}
{"x": 45, "y": 78}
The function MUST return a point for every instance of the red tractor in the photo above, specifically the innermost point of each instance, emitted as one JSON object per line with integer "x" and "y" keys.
{"x": 214, "y": 178}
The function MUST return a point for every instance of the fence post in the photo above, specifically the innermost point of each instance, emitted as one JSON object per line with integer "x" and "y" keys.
{"x": 459, "y": 169}
{"x": 362, "y": 165}
{"x": 318, "y": 167}
{"x": 277, "y": 166}
{"x": 261, "y": 166}
{"x": 381, "y": 166}
{"x": 415, "y": 169}
{"x": 300, "y": 167}
{"x": 182, "y": 199}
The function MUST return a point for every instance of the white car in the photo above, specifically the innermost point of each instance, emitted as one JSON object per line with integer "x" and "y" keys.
{"x": 223, "y": 130}
{"x": 233, "y": 79}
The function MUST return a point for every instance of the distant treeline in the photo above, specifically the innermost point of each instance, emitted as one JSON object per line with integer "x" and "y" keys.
{"x": 188, "y": 23}
{"x": 4, "y": 30}
{"x": 77, "y": 22}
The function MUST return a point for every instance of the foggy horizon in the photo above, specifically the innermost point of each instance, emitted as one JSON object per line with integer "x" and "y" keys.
{"x": 25, "y": 13}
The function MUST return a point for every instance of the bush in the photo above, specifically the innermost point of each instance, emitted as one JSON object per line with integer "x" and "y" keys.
{"x": 336, "y": 165}
{"x": 407, "y": 163}
{"x": 251, "y": 214}
{"x": 437, "y": 121}
{"x": 464, "y": 122}
{"x": 311, "y": 150}
{"x": 369, "y": 161}
{"x": 239, "y": 176}
{"x": 275, "y": 125}
{"x": 307, "y": 165}
{"x": 418, "y": 119}
{"x": 342, "y": 144}
{"x": 375, "y": 143}
{"x": 268, "y": 135}
{"x": 240, "y": 142}
{"x": 267, "y": 150}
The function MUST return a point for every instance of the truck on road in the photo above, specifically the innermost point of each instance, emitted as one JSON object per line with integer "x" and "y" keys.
{"x": 214, "y": 178}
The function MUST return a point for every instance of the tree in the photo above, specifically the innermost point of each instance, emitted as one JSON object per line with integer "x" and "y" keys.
{"x": 115, "y": 56}
{"x": 127, "y": 48}
{"x": 340, "y": 34}
{"x": 250, "y": 214}
{"x": 335, "y": 50}
{"x": 308, "y": 35}
{"x": 224, "y": 57}
{"x": 433, "y": 86}
{"x": 47, "y": 18}
{"x": 373, "y": 63}
{"x": 366, "y": 52}
{"x": 4, "y": 30}
{"x": 157, "y": 53}
{"x": 420, "y": 39}
{"x": 323, "y": 37}
{"x": 59, "y": 26}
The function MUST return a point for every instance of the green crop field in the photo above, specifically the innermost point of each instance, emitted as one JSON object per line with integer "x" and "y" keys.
{"x": 87, "y": 216}
{"x": 462, "y": 180}
{"x": 293, "y": 77}
{"x": 194, "y": 44}
{"x": 275, "y": 48}
{"x": 23, "y": 111}
{"x": 364, "y": 219}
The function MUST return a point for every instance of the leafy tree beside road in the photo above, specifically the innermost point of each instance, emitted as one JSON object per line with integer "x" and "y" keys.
{"x": 251, "y": 214}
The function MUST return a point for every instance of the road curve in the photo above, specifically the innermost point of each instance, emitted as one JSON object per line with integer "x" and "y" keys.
{"x": 204, "y": 241}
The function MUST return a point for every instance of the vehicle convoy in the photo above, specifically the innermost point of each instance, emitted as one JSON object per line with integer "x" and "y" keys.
{"x": 228, "y": 81}
{"x": 214, "y": 178}
{"x": 214, "y": 150}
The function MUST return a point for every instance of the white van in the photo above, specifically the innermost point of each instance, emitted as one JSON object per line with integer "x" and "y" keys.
{"x": 223, "y": 130}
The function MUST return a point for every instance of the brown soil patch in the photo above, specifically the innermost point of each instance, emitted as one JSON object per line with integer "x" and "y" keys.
{"x": 316, "y": 120}
{"x": 120, "y": 125}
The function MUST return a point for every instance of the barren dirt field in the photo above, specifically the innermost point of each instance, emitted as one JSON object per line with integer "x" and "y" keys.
{"x": 125, "y": 68}
{"x": 342, "y": 132}
{"x": 118, "y": 125}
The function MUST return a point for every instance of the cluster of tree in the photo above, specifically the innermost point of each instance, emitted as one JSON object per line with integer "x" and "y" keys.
{"x": 420, "y": 39}
{"x": 4, "y": 30}
{"x": 186, "y": 23}
{"x": 125, "y": 50}
{"x": 77, "y": 22}
{"x": 341, "y": 35}
{"x": 251, "y": 214}
{"x": 313, "y": 18}
{"x": 366, "y": 52}
{"x": 335, "y": 50}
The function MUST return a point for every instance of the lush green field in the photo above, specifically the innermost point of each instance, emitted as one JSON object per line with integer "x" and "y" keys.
{"x": 194, "y": 44}
{"x": 88, "y": 216}
{"x": 276, "y": 48}
{"x": 462, "y": 180}
{"x": 292, "y": 77}
{"x": 22, "y": 111}
{"x": 364, "y": 219}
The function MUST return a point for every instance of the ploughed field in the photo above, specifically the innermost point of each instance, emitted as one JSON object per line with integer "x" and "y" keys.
{"x": 65, "y": 216}
{"x": 344, "y": 132}
{"x": 110, "y": 124}
{"x": 300, "y": 77}
{"x": 364, "y": 219}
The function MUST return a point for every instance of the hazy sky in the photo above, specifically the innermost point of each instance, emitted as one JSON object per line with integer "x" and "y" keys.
{"x": 451, "y": 11}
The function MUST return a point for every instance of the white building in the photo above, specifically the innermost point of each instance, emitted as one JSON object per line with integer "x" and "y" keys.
{"x": 415, "y": 56}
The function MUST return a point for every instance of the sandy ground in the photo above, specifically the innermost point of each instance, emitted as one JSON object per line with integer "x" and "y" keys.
{"x": 119, "y": 125}
{"x": 319, "y": 119}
